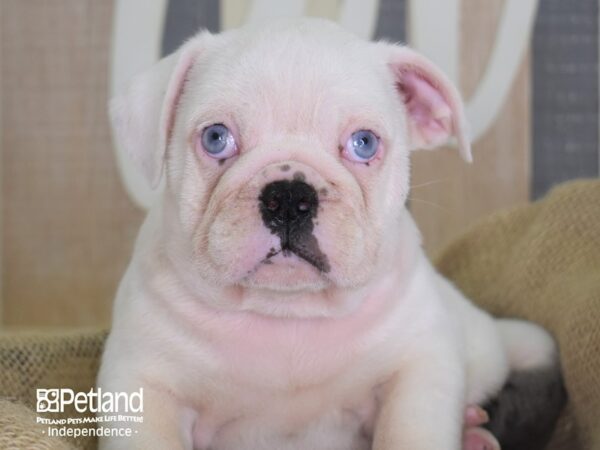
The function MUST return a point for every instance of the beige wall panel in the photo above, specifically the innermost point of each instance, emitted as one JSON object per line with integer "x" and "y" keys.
{"x": 68, "y": 225}
{"x": 1, "y": 171}
{"x": 448, "y": 194}
{"x": 234, "y": 12}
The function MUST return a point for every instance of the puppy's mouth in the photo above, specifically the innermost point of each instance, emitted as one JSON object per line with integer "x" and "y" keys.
{"x": 282, "y": 269}
{"x": 307, "y": 250}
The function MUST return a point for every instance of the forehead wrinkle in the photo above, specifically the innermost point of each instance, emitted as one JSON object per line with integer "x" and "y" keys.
{"x": 285, "y": 102}
{"x": 288, "y": 85}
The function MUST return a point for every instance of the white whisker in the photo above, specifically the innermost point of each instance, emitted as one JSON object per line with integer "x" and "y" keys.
{"x": 429, "y": 183}
{"x": 427, "y": 202}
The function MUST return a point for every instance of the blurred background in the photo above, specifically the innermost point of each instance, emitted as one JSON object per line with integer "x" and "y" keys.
{"x": 71, "y": 204}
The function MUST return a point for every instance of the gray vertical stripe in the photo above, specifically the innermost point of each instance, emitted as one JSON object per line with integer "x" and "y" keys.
{"x": 391, "y": 20}
{"x": 565, "y": 93}
{"x": 185, "y": 17}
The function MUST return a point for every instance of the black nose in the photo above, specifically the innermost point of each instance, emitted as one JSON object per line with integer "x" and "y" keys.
{"x": 288, "y": 206}
{"x": 287, "y": 209}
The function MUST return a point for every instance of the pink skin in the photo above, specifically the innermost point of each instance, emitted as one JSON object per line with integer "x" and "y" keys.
{"x": 427, "y": 106}
{"x": 475, "y": 437}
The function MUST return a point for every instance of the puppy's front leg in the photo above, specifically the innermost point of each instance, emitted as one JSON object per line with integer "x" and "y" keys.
{"x": 423, "y": 408}
{"x": 165, "y": 426}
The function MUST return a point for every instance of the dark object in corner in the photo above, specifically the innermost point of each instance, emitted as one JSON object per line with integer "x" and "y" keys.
{"x": 524, "y": 414}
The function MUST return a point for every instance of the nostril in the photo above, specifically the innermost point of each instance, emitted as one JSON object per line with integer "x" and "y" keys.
{"x": 303, "y": 206}
{"x": 272, "y": 205}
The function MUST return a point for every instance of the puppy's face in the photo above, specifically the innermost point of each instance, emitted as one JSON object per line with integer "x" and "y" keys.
{"x": 286, "y": 152}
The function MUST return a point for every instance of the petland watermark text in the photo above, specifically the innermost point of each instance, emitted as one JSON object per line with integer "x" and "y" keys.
{"x": 117, "y": 410}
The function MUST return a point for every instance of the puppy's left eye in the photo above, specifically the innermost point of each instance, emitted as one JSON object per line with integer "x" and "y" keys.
{"x": 217, "y": 141}
{"x": 361, "y": 146}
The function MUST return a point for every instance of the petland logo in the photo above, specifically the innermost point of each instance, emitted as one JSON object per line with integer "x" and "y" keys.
{"x": 94, "y": 401}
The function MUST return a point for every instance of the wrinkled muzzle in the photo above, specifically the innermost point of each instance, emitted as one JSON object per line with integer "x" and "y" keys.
{"x": 287, "y": 227}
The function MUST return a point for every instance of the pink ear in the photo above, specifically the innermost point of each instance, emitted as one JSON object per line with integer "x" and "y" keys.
{"x": 143, "y": 116}
{"x": 434, "y": 107}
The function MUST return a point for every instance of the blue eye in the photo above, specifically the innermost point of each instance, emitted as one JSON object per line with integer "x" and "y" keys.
{"x": 218, "y": 142}
{"x": 362, "y": 146}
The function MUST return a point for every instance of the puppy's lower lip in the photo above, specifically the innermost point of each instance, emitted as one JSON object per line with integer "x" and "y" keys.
{"x": 288, "y": 250}
{"x": 271, "y": 254}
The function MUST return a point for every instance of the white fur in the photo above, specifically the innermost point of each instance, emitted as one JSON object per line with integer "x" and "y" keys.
{"x": 235, "y": 354}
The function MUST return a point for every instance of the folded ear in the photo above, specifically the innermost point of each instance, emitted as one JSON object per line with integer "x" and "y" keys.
{"x": 143, "y": 116}
{"x": 434, "y": 107}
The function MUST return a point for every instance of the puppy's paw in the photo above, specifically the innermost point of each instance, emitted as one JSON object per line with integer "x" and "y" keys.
{"x": 475, "y": 437}
{"x": 479, "y": 439}
{"x": 475, "y": 416}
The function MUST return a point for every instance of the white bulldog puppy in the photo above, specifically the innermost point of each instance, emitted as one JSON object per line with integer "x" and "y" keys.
{"x": 278, "y": 296}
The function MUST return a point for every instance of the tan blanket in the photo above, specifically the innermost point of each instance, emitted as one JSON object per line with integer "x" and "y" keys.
{"x": 31, "y": 360}
{"x": 540, "y": 262}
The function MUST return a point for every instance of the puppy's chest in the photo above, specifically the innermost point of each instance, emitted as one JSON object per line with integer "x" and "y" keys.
{"x": 303, "y": 386}
{"x": 262, "y": 405}
{"x": 311, "y": 420}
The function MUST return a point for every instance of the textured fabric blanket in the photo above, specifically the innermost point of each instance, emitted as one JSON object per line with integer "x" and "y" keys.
{"x": 540, "y": 262}
{"x": 49, "y": 360}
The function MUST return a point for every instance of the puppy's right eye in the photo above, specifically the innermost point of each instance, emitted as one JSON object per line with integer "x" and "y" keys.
{"x": 362, "y": 146}
{"x": 217, "y": 141}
